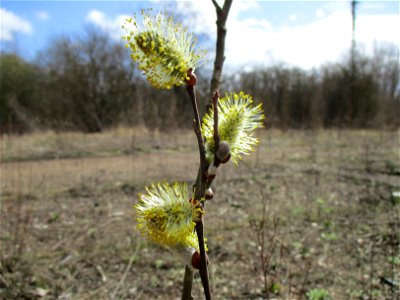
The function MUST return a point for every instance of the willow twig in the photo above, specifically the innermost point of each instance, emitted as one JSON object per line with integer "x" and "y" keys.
{"x": 202, "y": 181}
{"x": 197, "y": 125}
{"x": 187, "y": 284}
{"x": 215, "y": 99}
{"x": 222, "y": 16}
{"x": 199, "y": 191}
{"x": 203, "y": 261}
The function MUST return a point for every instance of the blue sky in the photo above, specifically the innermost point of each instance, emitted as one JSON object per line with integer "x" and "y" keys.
{"x": 48, "y": 19}
{"x": 300, "y": 33}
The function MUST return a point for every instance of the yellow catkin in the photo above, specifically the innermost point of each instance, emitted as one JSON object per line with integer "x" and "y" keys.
{"x": 165, "y": 216}
{"x": 164, "y": 50}
{"x": 237, "y": 120}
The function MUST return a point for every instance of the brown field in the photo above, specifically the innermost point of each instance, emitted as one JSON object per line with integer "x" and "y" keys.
{"x": 331, "y": 221}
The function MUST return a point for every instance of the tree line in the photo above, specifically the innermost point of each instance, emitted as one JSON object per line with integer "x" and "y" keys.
{"x": 87, "y": 83}
{"x": 361, "y": 92}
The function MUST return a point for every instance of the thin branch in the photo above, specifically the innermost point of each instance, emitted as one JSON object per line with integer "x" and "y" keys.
{"x": 217, "y": 7}
{"x": 187, "y": 284}
{"x": 222, "y": 16}
{"x": 197, "y": 125}
{"x": 134, "y": 255}
{"x": 199, "y": 193}
{"x": 200, "y": 185}
{"x": 201, "y": 181}
{"x": 226, "y": 7}
{"x": 215, "y": 99}
{"x": 203, "y": 260}
{"x": 307, "y": 272}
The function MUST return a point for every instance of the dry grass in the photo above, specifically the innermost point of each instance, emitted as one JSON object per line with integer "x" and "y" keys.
{"x": 67, "y": 230}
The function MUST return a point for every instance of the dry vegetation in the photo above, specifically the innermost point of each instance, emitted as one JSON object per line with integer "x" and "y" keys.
{"x": 331, "y": 221}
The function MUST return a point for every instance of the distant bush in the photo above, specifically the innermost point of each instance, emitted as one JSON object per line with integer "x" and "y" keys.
{"x": 360, "y": 92}
{"x": 19, "y": 94}
{"x": 86, "y": 83}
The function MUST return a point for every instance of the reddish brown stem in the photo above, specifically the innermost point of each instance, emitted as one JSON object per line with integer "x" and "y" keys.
{"x": 199, "y": 190}
{"x": 215, "y": 99}
{"x": 187, "y": 284}
{"x": 203, "y": 261}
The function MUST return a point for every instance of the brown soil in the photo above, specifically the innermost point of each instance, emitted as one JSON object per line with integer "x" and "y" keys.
{"x": 68, "y": 231}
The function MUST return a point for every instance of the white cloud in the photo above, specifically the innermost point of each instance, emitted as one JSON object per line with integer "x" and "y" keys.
{"x": 382, "y": 28}
{"x": 312, "y": 44}
{"x": 293, "y": 17}
{"x": 320, "y": 13}
{"x": 42, "y": 15}
{"x": 109, "y": 25}
{"x": 202, "y": 16}
{"x": 95, "y": 16}
{"x": 254, "y": 41}
{"x": 12, "y": 24}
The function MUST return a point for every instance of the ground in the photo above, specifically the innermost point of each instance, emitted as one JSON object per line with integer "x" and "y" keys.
{"x": 330, "y": 225}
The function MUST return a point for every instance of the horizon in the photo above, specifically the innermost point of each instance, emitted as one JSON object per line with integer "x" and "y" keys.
{"x": 304, "y": 34}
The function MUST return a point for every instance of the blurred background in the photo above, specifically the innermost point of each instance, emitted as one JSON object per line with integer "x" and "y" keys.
{"x": 313, "y": 214}
{"x": 312, "y": 63}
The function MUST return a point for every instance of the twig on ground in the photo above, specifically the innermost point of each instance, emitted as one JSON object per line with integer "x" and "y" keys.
{"x": 303, "y": 285}
{"x": 134, "y": 255}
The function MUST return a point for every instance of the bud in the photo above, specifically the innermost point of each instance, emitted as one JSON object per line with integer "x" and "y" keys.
{"x": 209, "y": 194}
{"x": 191, "y": 78}
{"x": 196, "y": 261}
{"x": 224, "y": 152}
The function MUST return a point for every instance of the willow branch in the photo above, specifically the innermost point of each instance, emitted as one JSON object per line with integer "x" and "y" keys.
{"x": 201, "y": 181}
{"x": 203, "y": 261}
{"x": 217, "y": 7}
{"x": 222, "y": 16}
{"x": 199, "y": 190}
{"x": 187, "y": 284}
{"x": 197, "y": 125}
{"x": 215, "y": 99}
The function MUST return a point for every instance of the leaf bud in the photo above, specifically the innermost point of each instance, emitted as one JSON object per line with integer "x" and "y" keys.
{"x": 209, "y": 194}
{"x": 224, "y": 152}
{"x": 196, "y": 261}
{"x": 191, "y": 78}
